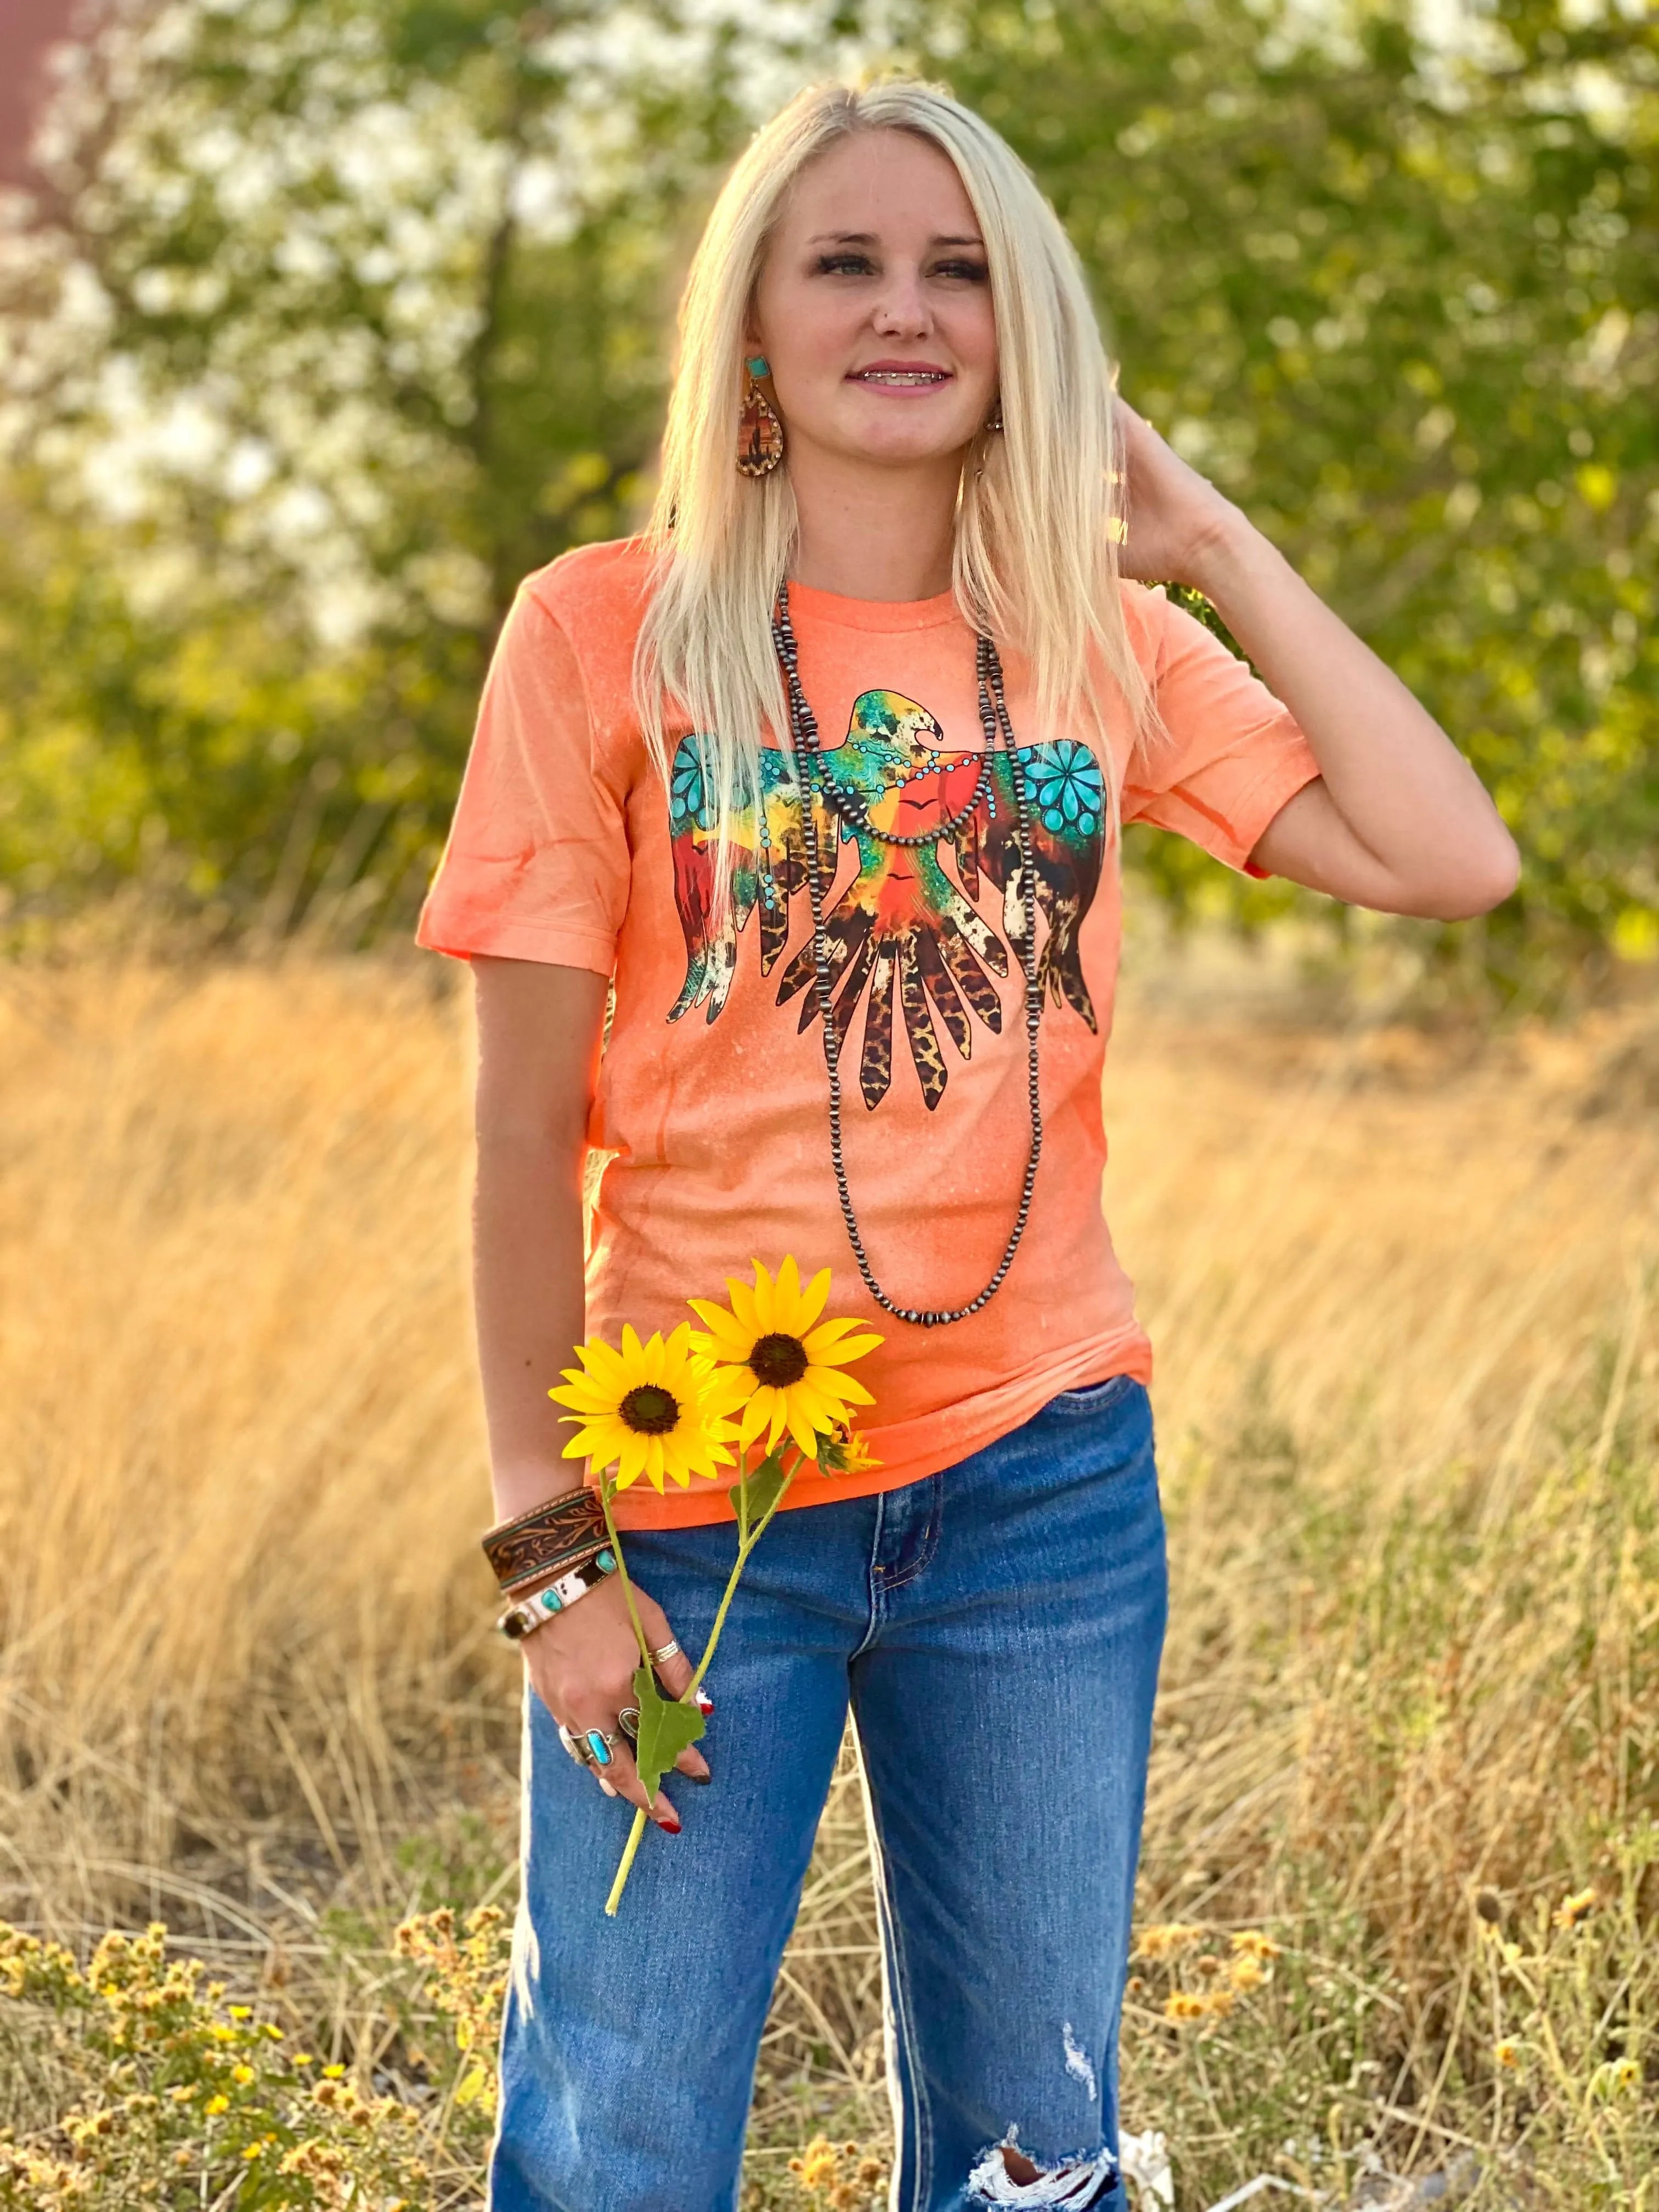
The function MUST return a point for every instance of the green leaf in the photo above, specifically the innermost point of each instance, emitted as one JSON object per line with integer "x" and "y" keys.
{"x": 765, "y": 1486}
{"x": 665, "y": 1729}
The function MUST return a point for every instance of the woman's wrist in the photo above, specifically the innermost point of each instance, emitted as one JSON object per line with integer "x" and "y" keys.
{"x": 1230, "y": 557}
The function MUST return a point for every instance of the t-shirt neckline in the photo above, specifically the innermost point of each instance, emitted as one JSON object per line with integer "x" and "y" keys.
{"x": 885, "y": 616}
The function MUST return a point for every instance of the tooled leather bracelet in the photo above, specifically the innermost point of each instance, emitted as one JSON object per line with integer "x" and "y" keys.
{"x": 521, "y": 1619}
{"x": 548, "y": 1539}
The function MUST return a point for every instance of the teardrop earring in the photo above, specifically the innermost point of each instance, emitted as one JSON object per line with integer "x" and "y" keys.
{"x": 760, "y": 434}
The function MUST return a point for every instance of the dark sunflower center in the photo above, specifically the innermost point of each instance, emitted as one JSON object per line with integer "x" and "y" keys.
{"x": 649, "y": 1410}
{"x": 778, "y": 1360}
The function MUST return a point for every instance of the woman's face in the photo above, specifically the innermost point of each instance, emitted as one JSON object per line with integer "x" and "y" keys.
{"x": 873, "y": 305}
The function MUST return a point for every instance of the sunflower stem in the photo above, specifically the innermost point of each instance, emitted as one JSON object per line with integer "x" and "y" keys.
{"x": 625, "y": 1864}
{"x": 746, "y": 1543}
{"x": 606, "y": 1494}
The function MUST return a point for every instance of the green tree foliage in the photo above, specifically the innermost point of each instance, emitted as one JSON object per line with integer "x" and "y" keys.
{"x": 336, "y": 316}
{"x": 1401, "y": 302}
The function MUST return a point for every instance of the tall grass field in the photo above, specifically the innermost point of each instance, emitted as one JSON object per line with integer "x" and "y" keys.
{"x": 1400, "y": 1880}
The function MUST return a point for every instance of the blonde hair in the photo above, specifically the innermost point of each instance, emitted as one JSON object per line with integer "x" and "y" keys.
{"x": 1040, "y": 509}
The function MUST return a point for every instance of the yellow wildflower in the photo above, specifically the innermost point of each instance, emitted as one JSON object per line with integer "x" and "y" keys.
{"x": 1571, "y": 1910}
{"x": 816, "y": 2168}
{"x": 243, "y": 2075}
{"x": 1183, "y": 2005}
{"x": 1255, "y": 1945}
{"x": 1167, "y": 1938}
{"x": 215, "y": 2106}
{"x": 651, "y": 1409}
{"x": 1508, "y": 2054}
{"x": 784, "y": 1363}
{"x": 1246, "y": 1972}
{"x": 842, "y": 1452}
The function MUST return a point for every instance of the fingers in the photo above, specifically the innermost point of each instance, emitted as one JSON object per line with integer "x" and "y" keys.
{"x": 675, "y": 1676}
{"x": 619, "y": 1773}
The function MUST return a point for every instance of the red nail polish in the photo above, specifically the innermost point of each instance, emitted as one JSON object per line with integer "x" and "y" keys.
{"x": 705, "y": 1704}
{"x": 670, "y": 1821}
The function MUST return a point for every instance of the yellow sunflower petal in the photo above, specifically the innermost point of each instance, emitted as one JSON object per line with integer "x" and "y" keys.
{"x": 678, "y": 1460}
{"x": 630, "y": 1461}
{"x": 812, "y": 1301}
{"x": 742, "y": 1307}
{"x": 835, "y": 1385}
{"x": 756, "y": 1412}
{"x": 578, "y": 1400}
{"x": 779, "y": 1419}
{"x": 802, "y": 1427}
{"x": 724, "y": 1391}
{"x": 604, "y": 1364}
{"x": 728, "y": 1338}
{"x": 631, "y": 1346}
{"x": 805, "y": 1397}
{"x": 766, "y": 1304}
{"x": 786, "y": 1297}
{"x": 838, "y": 1352}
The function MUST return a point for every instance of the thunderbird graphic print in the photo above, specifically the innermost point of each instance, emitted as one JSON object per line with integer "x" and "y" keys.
{"x": 902, "y": 934}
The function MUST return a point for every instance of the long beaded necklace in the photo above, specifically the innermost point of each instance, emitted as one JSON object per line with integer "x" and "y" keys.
{"x": 809, "y": 753}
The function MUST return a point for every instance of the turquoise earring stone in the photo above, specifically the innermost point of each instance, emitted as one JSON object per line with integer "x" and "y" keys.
{"x": 759, "y": 365}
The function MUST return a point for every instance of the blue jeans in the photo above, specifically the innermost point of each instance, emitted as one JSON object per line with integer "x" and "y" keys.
{"x": 996, "y": 1629}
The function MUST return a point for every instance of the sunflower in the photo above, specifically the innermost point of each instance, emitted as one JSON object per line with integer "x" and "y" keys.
{"x": 841, "y": 1452}
{"x": 654, "y": 1409}
{"x": 784, "y": 1362}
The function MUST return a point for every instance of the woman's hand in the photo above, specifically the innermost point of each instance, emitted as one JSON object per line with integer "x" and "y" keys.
{"x": 1175, "y": 516}
{"x": 581, "y": 1662}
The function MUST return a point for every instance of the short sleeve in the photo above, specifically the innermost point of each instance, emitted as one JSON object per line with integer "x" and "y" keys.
{"x": 536, "y": 863}
{"x": 1234, "y": 754}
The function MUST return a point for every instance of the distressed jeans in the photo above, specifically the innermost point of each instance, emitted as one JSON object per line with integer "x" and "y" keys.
{"x": 996, "y": 1629}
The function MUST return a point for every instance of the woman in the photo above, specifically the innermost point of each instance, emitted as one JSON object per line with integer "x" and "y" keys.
{"x": 891, "y": 537}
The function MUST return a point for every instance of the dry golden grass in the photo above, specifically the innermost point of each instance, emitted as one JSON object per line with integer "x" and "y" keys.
{"x": 1407, "y": 1393}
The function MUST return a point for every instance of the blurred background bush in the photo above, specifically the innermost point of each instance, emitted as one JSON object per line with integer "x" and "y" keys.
{"x": 322, "y": 321}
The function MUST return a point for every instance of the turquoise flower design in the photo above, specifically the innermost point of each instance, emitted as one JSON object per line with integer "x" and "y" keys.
{"x": 1068, "y": 789}
{"x": 688, "y": 793}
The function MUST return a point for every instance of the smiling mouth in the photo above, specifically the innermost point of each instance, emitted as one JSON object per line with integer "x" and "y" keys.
{"x": 901, "y": 380}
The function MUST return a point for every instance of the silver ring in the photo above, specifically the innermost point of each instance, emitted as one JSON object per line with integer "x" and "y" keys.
{"x": 628, "y": 1720}
{"x": 669, "y": 1650}
{"x": 576, "y": 1745}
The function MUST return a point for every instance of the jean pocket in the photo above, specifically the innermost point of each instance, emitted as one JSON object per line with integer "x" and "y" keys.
{"x": 1092, "y": 1397}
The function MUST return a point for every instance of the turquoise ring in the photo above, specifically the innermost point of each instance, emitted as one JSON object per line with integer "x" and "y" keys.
{"x": 599, "y": 1744}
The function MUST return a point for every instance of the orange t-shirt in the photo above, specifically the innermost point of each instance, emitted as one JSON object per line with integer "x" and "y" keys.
{"x": 712, "y": 1093}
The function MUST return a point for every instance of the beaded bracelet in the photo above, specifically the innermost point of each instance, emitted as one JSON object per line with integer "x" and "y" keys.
{"x": 519, "y": 1621}
{"x": 547, "y": 1539}
{"x": 578, "y": 1555}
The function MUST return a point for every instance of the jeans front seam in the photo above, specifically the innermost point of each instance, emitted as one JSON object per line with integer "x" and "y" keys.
{"x": 930, "y": 1535}
{"x": 875, "y": 1583}
{"x": 902, "y": 2019}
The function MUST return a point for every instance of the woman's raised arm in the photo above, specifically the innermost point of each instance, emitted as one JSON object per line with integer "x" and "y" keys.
{"x": 1398, "y": 819}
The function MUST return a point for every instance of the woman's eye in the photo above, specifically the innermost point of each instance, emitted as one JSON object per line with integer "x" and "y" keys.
{"x": 973, "y": 272}
{"x": 843, "y": 264}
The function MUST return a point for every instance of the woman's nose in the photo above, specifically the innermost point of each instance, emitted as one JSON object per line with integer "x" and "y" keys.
{"x": 902, "y": 310}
